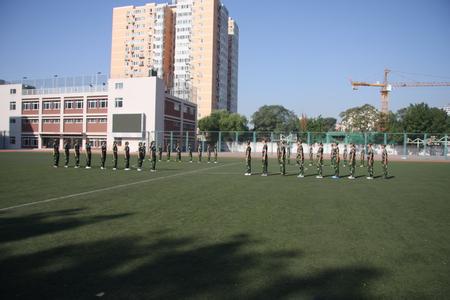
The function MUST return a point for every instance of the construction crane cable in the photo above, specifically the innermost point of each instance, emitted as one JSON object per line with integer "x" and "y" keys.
{"x": 420, "y": 74}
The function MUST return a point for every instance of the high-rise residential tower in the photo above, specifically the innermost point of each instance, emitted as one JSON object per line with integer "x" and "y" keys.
{"x": 191, "y": 44}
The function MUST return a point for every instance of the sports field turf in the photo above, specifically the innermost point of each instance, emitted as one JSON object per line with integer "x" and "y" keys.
{"x": 207, "y": 231}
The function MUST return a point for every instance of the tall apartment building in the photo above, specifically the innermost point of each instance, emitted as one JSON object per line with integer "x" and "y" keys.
{"x": 187, "y": 43}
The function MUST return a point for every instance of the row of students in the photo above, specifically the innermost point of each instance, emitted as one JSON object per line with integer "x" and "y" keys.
{"x": 335, "y": 159}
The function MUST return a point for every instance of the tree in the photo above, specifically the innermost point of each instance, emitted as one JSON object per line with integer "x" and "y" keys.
{"x": 424, "y": 119}
{"x": 361, "y": 119}
{"x": 222, "y": 120}
{"x": 275, "y": 118}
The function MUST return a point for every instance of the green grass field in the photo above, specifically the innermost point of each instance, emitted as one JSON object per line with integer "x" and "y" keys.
{"x": 207, "y": 231}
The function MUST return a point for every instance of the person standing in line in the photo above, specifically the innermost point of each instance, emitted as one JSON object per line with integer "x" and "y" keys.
{"x": 153, "y": 156}
{"x": 66, "y": 153}
{"x": 200, "y": 151}
{"x": 160, "y": 152}
{"x": 141, "y": 156}
{"x": 333, "y": 156}
{"x": 115, "y": 155}
{"x": 362, "y": 156}
{"x": 311, "y": 155}
{"x": 55, "y": 153}
{"x": 352, "y": 161}
{"x": 337, "y": 160}
{"x": 190, "y": 153}
{"x": 77, "y": 154}
{"x": 215, "y": 154}
{"x": 300, "y": 159}
{"x": 265, "y": 159}
{"x": 283, "y": 158}
{"x": 178, "y": 149}
{"x": 248, "y": 159}
{"x": 384, "y": 161}
{"x": 288, "y": 153}
{"x": 208, "y": 150}
{"x": 370, "y": 162}
{"x": 279, "y": 152}
{"x": 344, "y": 155}
{"x": 127, "y": 156}
{"x": 88, "y": 154}
{"x": 319, "y": 161}
{"x": 169, "y": 150}
{"x": 103, "y": 157}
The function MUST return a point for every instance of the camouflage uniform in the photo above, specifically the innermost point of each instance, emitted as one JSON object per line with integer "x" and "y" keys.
{"x": 127, "y": 157}
{"x": 190, "y": 153}
{"x": 301, "y": 160}
{"x": 77, "y": 154}
{"x": 311, "y": 155}
{"x": 352, "y": 159}
{"x": 88, "y": 154}
{"x": 115, "y": 155}
{"x": 248, "y": 159}
{"x": 288, "y": 153}
{"x": 370, "y": 162}
{"x": 208, "y": 150}
{"x": 337, "y": 160}
{"x": 178, "y": 149}
{"x": 55, "y": 154}
{"x": 141, "y": 155}
{"x": 384, "y": 162}
{"x": 319, "y": 162}
{"x": 344, "y": 155}
{"x": 215, "y": 154}
{"x": 153, "y": 156}
{"x": 200, "y": 152}
{"x": 169, "y": 149}
{"x": 66, "y": 153}
{"x": 160, "y": 151}
{"x": 283, "y": 159}
{"x": 361, "y": 157}
{"x": 103, "y": 157}
{"x": 265, "y": 159}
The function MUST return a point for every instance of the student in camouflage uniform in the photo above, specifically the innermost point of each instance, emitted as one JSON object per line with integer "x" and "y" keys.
{"x": 160, "y": 151}
{"x": 178, "y": 149}
{"x": 103, "y": 157}
{"x": 370, "y": 162}
{"x": 362, "y": 156}
{"x": 215, "y": 154}
{"x": 279, "y": 153}
{"x": 190, "y": 153}
{"x": 337, "y": 160}
{"x": 311, "y": 155}
{"x": 288, "y": 153}
{"x": 265, "y": 159}
{"x": 283, "y": 159}
{"x": 352, "y": 161}
{"x": 153, "y": 156}
{"x": 127, "y": 157}
{"x": 169, "y": 149}
{"x": 384, "y": 160}
{"x": 115, "y": 155}
{"x": 66, "y": 153}
{"x": 319, "y": 161}
{"x": 141, "y": 156}
{"x": 88, "y": 154}
{"x": 248, "y": 159}
{"x": 300, "y": 159}
{"x": 344, "y": 155}
{"x": 55, "y": 153}
{"x": 333, "y": 155}
{"x": 200, "y": 152}
{"x": 77, "y": 154}
{"x": 208, "y": 150}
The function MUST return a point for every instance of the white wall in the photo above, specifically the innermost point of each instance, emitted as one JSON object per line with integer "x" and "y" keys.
{"x": 6, "y": 113}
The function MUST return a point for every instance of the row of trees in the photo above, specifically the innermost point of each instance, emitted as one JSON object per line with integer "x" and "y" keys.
{"x": 366, "y": 118}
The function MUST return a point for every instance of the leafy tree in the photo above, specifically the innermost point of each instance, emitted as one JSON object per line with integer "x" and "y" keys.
{"x": 360, "y": 119}
{"x": 422, "y": 118}
{"x": 275, "y": 118}
{"x": 222, "y": 120}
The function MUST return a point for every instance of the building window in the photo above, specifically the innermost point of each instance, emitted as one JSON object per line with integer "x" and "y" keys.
{"x": 12, "y": 105}
{"x": 119, "y": 85}
{"x": 68, "y": 104}
{"x": 118, "y": 102}
{"x": 12, "y": 121}
{"x": 103, "y": 103}
{"x": 92, "y": 103}
{"x": 12, "y": 140}
{"x": 12, "y": 91}
{"x": 30, "y": 105}
{"x": 102, "y": 120}
{"x": 78, "y": 104}
{"x": 92, "y": 121}
{"x": 176, "y": 107}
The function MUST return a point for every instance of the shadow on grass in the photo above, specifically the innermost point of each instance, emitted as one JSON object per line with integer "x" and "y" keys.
{"x": 161, "y": 266}
{"x": 33, "y": 225}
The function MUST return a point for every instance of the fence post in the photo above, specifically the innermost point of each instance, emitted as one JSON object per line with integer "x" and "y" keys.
{"x": 365, "y": 141}
{"x": 171, "y": 141}
{"x": 446, "y": 146}
{"x": 187, "y": 140}
{"x": 271, "y": 142}
{"x": 254, "y": 141}
{"x": 309, "y": 138}
{"x": 236, "y": 137}
{"x": 385, "y": 138}
{"x": 327, "y": 138}
{"x": 203, "y": 142}
{"x": 405, "y": 140}
{"x": 219, "y": 146}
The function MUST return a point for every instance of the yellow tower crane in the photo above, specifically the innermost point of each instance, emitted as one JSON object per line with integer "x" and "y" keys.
{"x": 386, "y": 88}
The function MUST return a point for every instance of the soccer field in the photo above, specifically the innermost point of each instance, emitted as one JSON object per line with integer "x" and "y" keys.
{"x": 207, "y": 231}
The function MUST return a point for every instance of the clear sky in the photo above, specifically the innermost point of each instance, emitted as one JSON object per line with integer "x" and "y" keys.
{"x": 297, "y": 53}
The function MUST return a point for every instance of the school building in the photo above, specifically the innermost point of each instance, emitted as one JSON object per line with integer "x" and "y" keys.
{"x": 119, "y": 109}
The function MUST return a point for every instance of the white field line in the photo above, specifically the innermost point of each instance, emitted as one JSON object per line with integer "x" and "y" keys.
{"x": 111, "y": 188}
